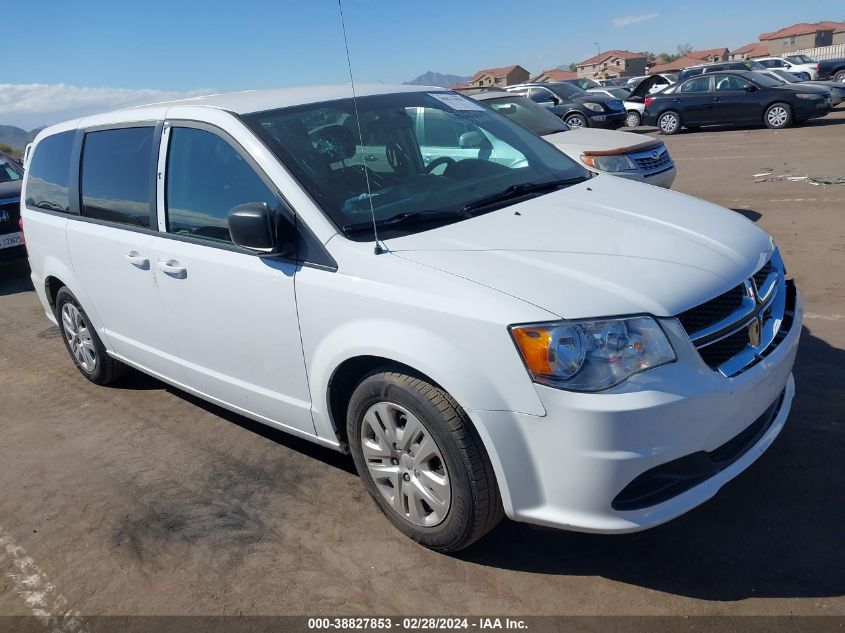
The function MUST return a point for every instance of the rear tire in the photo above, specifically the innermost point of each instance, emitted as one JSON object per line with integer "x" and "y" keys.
{"x": 840, "y": 77}
{"x": 778, "y": 116}
{"x": 421, "y": 461}
{"x": 84, "y": 346}
{"x": 576, "y": 121}
{"x": 632, "y": 119}
{"x": 669, "y": 123}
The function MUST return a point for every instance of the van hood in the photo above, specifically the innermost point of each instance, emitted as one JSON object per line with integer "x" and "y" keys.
{"x": 607, "y": 246}
{"x": 579, "y": 140}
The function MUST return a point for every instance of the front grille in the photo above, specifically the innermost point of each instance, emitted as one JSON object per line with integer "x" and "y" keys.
{"x": 723, "y": 350}
{"x": 761, "y": 275}
{"x": 712, "y": 311}
{"x": 652, "y": 162}
{"x": 735, "y": 330}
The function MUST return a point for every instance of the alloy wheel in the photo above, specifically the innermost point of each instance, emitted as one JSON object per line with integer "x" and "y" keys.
{"x": 778, "y": 116}
{"x": 575, "y": 122}
{"x": 632, "y": 120}
{"x": 406, "y": 464}
{"x": 79, "y": 338}
{"x": 668, "y": 123}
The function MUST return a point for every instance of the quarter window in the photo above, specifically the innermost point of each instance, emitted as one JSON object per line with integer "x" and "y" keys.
{"x": 49, "y": 173}
{"x": 117, "y": 176}
{"x": 206, "y": 177}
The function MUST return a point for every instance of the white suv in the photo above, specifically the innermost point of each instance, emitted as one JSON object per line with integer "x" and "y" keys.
{"x": 519, "y": 338}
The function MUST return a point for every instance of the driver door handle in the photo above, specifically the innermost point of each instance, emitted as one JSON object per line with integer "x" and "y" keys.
{"x": 137, "y": 260}
{"x": 173, "y": 268}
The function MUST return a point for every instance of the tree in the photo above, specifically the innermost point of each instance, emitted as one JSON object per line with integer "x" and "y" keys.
{"x": 8, "y": 149}
{"x": 684, "y": 50}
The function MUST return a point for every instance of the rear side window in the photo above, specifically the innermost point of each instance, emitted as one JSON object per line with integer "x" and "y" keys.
{"x": 49, "y": 173}
{"x": 117, "y": 176}
{"x": 206, "y": 177}
{"x": 699, "y": 84}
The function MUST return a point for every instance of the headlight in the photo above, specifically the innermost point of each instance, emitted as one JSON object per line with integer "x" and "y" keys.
{"x": 595, "y": 107}
{"x": 809, "y": 95}
{"x": 609, "y": 163}
{"x": 591, "y": 355}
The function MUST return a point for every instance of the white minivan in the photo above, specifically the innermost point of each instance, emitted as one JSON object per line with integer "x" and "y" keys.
{"x": 489, "y": 331}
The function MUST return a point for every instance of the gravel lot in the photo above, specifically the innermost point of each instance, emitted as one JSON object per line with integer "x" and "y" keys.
{"x": 139, "y": 499}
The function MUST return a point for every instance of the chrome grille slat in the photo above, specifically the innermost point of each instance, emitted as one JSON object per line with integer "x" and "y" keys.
{"x": 749, "y": 325}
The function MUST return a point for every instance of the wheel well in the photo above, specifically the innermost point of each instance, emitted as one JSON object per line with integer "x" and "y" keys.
{"x": 347, "y": 376}
{"x": 52, "y": 285}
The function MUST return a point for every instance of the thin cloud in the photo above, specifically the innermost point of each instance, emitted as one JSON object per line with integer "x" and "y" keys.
{"x": 627, "y": 20}
{"x": 31, "y": 105}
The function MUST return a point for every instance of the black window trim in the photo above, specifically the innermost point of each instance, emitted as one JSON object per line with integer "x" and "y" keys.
{"x": 323, "y": 261}
{"x": 76, "y": 168}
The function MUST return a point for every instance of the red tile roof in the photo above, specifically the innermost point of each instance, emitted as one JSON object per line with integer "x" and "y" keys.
{"x": 803, "y": 28}
{"x": 556, "y": 74}
{"x": 678, "y": 64}
{"x": 457, "y": 86}
{"x": 755, "y": 49}
{"x": 503, "y": 71}
{"x": 596, "y": 59}
{"x": 838, "y": 27}
{"x": 703, "y": 55}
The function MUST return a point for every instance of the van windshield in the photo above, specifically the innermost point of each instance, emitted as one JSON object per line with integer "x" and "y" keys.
{"x": 427, "y": 159}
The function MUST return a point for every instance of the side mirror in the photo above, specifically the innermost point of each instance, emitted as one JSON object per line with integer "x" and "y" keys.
{"x": 474, "y": 140}
{"x": 749, "y": 88}
{"x": 254, "y": 226}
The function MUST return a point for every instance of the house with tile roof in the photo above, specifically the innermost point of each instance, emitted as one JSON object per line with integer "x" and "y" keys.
{"x": 503, "y": 76}
{"x": 803, "y": 35}
{"x": 555, "y": 74}
{"x": 749, "y": 51}
{"x": 611, "y": 64}
{"x": 675, "y": 65}
{"x": 710, "y": 55}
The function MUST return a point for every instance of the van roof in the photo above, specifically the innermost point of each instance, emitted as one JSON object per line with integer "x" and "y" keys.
{"x": 250, "y": 101}
{"x": 245, "y": 102}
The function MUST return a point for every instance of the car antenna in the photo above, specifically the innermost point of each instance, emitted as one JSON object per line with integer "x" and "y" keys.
{"x": 378, "y": 250}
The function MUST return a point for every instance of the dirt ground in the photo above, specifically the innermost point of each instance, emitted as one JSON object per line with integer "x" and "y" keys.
{"x": 139, "y": 499}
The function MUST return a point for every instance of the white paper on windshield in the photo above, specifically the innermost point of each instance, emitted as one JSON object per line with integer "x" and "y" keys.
{"x": 456, "y": 102}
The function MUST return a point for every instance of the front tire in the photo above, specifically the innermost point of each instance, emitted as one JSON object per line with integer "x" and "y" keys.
{"x": 576, "y": 121}
{"x": 840, "y": 77}
{"x": 421, "y": 461}
{"x": 778, "y": 116}
{"x": 632, "y": 119}
{"x": 84, "y": 346}
{"x": 669, "y": 123}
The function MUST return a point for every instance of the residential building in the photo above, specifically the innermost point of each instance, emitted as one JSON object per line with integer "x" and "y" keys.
{"x": 611, "y": 64}
{"x": 504, "y": 76}
{"x": 555, "y": 74}
{"x": 803, "y": 35}
{"x": 675, "y": 66}
{"x": 710, "y": 55}
{"x": 749, "y": 51}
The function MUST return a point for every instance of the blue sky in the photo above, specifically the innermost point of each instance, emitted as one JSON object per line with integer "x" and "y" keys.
{"x": 190, "y": 45}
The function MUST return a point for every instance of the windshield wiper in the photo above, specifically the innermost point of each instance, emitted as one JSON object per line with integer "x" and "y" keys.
{"x": 408, "y": 218}
{"x": 518, "y": 191}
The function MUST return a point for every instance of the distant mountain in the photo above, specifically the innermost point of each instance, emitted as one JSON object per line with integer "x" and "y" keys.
{"x": 432, "y": 78}
{"x": 16, "y": 137}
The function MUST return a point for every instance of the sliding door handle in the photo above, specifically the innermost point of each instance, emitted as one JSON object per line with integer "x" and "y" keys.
{"x": 173, "y": 268}
{"x": 137, "y": 260}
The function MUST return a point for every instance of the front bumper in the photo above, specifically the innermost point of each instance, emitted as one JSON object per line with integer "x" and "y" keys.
{"x": 565, "y": 470}
{"x": 608, "y": 120}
